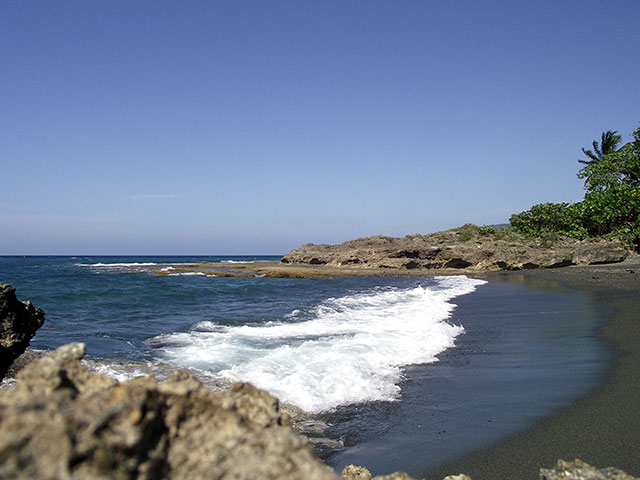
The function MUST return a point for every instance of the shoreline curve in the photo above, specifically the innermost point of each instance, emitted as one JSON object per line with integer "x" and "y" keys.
{"x": 601, "y": 428}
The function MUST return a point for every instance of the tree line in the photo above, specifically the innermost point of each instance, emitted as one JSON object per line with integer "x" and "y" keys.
{"x": 611, "y": 204}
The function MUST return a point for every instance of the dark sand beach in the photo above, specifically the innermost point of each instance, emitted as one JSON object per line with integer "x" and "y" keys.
{"x": 602, "y": 429}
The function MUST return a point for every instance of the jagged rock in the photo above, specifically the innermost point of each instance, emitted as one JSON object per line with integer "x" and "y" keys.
{"x": 60, "y": 421}
{"x": 18, "y": 324}
{"x": 447, "y": 250}
{"x": 394, "y": 476}
{"x": 22, "y": 361}
{"x": 462, "y": 476}
{"x": 579, "y": 470}
{"x": 311, "y": 427}
{"x": 354, "y": 472}
{"x": 325, "y": 443}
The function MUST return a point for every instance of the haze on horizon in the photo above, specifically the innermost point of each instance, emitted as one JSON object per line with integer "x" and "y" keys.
{"x": 254, "y": 127}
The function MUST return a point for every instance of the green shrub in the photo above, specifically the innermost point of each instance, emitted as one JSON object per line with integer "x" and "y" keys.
{"x": 487, "y": 230}
{"x": 614, "y": 211}
{"x": 611, "y": 205}
{"x": 546, "y": 218}
{"x": 466, "y": 235}
{"x": 549, "y": 239}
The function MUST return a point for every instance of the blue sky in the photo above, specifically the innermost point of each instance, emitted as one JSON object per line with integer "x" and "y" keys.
{"x": 253, "y": 127}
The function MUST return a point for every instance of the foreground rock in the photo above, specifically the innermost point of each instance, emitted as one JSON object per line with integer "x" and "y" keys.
{"x": 18, "y": 324}
{"x": 579, "y": 470}
{"x": 354, "y": 472}
{"x": 460, "y": 249}
{"x": 61, "y": 422}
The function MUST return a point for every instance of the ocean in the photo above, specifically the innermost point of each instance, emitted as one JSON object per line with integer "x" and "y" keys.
{"x": 402, "y": 373}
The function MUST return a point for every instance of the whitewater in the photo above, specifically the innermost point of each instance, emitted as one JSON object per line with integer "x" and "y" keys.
{"x": 346, "y": 350}
{"x": 405, "y": 372}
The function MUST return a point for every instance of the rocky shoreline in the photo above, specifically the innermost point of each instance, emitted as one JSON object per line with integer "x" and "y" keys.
{"x": 58, "y": 420}
{"x": 463, "y": 250}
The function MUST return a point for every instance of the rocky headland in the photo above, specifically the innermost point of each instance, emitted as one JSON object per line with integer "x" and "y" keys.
{"x": 465, "y": 249}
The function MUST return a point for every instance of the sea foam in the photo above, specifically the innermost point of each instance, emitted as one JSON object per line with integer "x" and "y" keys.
{"x": 344, "y": 351}
{"x": 117, "y": 265}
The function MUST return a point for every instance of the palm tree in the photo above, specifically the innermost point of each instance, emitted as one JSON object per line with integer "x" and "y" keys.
{"x": 608, "y": 144}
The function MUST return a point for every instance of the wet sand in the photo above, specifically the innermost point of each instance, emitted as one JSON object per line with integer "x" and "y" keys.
{"x": 602, "y": 429}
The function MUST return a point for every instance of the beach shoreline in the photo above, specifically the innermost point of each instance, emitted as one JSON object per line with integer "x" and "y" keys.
{"x": 600, "y": 427}
{"x": 603, "y": 427}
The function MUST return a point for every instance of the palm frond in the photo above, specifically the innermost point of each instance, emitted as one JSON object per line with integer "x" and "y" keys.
{"x": 596, "y": 147}
{"x": 610, "y": 141}
{"x": 589, "y": 153}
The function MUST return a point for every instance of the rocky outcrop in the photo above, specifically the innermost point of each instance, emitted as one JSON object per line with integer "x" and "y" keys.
{"x": 355, "y": 472}
{"x": 61, "y": 421}
{"x": 454, "y": 251}
{"x": 18, "y": 324}
{"x": 579, "y": 470}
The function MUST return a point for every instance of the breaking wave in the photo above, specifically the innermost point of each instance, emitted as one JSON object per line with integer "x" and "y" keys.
{"x": 342, "y": 351}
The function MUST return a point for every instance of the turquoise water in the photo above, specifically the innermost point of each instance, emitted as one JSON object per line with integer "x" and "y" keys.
{"x": 408, "y": 372}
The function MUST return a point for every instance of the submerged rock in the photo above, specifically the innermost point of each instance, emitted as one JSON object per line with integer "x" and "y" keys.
{"x": 579, "y": 470}
{"x": 18, "y": 324}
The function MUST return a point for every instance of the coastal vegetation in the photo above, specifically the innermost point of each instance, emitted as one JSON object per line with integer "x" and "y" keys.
{"x": 601, "y": 228}
{"x": 471, "y": 231}
{"x": 611, "y": 204}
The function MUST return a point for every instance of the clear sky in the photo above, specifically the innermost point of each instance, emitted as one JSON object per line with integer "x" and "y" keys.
{"x": 239, "y": 127}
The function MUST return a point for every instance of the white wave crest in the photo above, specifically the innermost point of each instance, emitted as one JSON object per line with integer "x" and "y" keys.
{"x": 118, "y": 372}
{"x": 117, "y": 265}
{"x": 189, "y": 274}
{"x": 350, "y": 350}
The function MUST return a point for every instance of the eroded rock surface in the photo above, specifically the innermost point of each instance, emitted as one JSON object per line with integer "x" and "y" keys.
{"x": 62, "y": 422}
{"x": 449, "y": 250}
{"x": 355, "y": 472}
{"x": 579, "y": 470}
{"x": 18, "y": 324}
